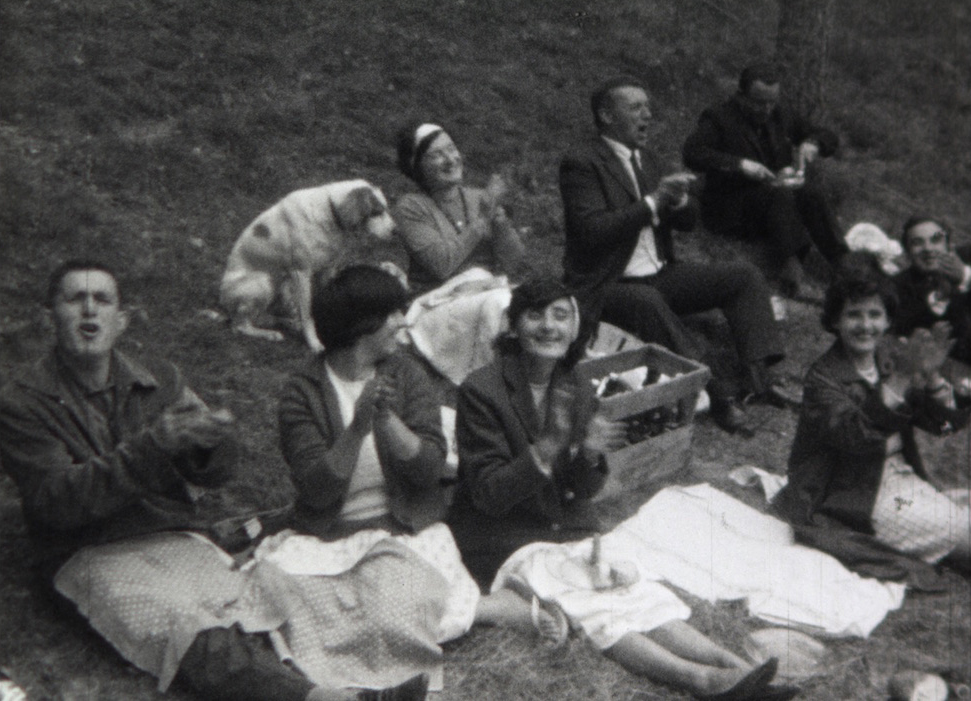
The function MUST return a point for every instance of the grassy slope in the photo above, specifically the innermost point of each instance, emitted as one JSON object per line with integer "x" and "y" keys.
{"x": 150, "y": 133}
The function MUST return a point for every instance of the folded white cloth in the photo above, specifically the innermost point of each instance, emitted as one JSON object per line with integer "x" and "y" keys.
{"x": 455, "y": 326}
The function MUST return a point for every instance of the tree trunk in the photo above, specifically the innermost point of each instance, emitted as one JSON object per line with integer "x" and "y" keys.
{"x": 800, "y": 48}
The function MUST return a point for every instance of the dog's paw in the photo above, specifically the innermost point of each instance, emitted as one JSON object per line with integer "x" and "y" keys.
{"x": 253, "y": 332}
{"x": 211, "y": 315}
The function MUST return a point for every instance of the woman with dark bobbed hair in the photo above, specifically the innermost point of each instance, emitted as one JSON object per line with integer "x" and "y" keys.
{"x": 360, "y": 428}
{"x": 854, "y": 458}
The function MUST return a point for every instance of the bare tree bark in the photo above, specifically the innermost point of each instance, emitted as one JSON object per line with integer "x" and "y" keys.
{"x": 801, "y": 46}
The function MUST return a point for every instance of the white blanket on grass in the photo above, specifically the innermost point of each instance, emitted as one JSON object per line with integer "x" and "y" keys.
{"x": 718, "y": 548}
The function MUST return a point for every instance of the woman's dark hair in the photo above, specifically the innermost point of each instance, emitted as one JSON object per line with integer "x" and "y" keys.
{"x": 72, "y": 266}
{"x": 917, "y": 220}
{"x": 536, "y": 294}
{"x": 858, "y": 277}
{"x": 355, "y": 303}
{"x": 410, "y": 153}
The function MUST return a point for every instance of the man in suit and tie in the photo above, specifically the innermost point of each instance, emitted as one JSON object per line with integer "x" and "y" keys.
{"x": 742, "y": 147}
{"x": 619, "y": 256}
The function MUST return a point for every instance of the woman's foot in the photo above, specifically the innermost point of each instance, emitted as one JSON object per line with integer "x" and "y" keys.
{"x": 738, "y": 684}
{"x": 515, "y": 606}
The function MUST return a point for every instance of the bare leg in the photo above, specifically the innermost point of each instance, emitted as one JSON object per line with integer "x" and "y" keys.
{"x": 505, "y": 608}
{"x": 319, "y": 693}
{"x": 640, "y": 655}
{"x": 687, "y": 642}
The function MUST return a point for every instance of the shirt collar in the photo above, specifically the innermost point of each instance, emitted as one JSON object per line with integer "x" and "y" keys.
{"x": 48, "y": 375}
{"x": 622, "y": 150}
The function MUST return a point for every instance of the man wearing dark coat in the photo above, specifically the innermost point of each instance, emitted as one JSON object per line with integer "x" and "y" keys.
{"x": 619, "y": 255}
{"x": 754, "y": 154}
{"x": 937, "y": 284}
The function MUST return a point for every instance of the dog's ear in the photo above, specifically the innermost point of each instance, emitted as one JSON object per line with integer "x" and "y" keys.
{"x": 359, "y": 205}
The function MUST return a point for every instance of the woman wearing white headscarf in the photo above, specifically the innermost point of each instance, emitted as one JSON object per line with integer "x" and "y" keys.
{"x": 459, "y": 241}
{"x": 531, "y": 455}
{"x": 450, "y": 227}
{"x": 531, "y": 446}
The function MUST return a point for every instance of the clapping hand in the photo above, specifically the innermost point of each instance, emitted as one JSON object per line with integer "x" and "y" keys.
{"x": 559, "y": 424}
{"x": 673, "y": 189}
{"x": 189, "y": 424}
{"x": 808, "y": 151}
{"x": 495, "y": 192}
{"x": 951, "y": 266}
{"x": 604, "y": 434}
{"x": 921, "y": 356}
{"x": 375, "y": 399}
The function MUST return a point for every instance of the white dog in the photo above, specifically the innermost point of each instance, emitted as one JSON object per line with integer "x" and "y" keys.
{"x": 308, "y": 231}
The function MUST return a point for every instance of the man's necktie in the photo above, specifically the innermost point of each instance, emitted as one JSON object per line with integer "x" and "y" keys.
{"x": 639, "y": 176}
{"x": 644, "y": 189}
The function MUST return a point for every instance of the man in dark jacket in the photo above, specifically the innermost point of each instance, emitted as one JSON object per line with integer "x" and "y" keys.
{"x": 619, "y": 216}
{"x": 937, "y": 285}
{"x": 754, "y": 154}
{"x": 113, "y": 458}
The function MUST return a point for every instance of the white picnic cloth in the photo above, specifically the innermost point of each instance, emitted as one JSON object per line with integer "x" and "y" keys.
{"x": 718, "y": 548}
{"x": 556, "y": 572}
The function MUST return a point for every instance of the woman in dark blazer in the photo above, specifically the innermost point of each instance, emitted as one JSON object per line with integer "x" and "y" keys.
{"x": 530, "y": 444}
{"x": 854, "y": 457}
{"x": 531, "y": 453}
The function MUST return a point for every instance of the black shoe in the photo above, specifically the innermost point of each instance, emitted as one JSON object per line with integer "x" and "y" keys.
{"x": 749, "y": 687}
{"x": 778, "y": 693}
{"x": 777, "y": 392}
{"x": 729, "y": 415}
{"x": 414, "y": 689}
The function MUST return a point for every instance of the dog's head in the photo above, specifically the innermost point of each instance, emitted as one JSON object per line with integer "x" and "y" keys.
{"x": 366, "y": 208}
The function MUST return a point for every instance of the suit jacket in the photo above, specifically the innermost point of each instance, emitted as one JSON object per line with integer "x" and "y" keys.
{"x": 913, "y": 311}
{"x": 496, "y": 424}
{"x": 837, "y": 457}
{"x": 725, "y": 135}
{"x": 604, "y": 216}
{"x": 310, "y": 422}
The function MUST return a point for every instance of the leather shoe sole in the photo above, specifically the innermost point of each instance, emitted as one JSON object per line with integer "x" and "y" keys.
{"x": 729, "y": 416}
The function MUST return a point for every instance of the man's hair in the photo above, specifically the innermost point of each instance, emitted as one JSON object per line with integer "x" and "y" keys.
{"x": 602, "y": 97}
{"x": 71, "y": 266}
{"x": 763, "y": 72}
{"x": 918, "y": 219}
{"x": 858, "y": 277}
{"x": 354, "y": 304}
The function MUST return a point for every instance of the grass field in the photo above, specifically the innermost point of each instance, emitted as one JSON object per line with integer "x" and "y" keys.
{"x": 150, "y": 133}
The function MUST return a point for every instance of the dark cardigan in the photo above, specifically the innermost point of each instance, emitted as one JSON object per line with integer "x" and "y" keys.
{"x": 310, "y": 422}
